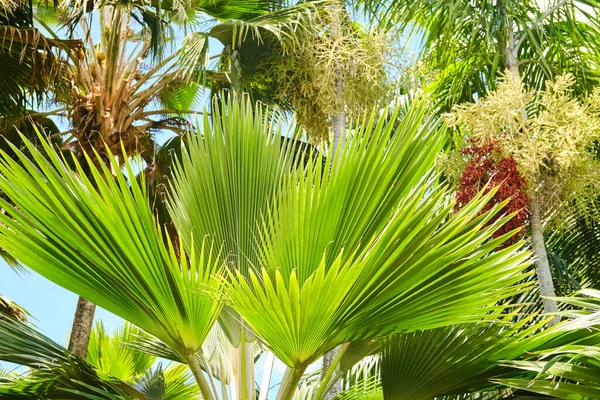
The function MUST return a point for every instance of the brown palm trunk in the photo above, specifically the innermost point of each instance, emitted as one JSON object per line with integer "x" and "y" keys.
{"x": 82, "y": 327}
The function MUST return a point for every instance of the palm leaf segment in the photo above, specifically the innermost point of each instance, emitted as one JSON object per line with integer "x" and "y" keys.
{"x": 569, "y": 370}
{"x": 30, "y": 62}
{"x": 55, "y": 372}
{"x": 351, "y": 247}
{"x": 98, "y": 237}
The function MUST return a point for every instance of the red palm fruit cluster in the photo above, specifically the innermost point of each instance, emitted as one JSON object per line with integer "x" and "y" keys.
{"x": 486, "y": 165}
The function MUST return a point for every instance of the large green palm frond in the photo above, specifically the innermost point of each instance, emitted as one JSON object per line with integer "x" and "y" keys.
{"x": 55, "y": 373}
{"x": 569, "y": 370}
{"x": 98, "y": 237}
{"x": 351, "y": 254}
{"x": 336, "y": 232}
{"x": 226, "y": 178}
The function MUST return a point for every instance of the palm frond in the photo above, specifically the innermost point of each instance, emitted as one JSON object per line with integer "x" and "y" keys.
{"x": 565, "y": 373}
{"x": 56, "y": 372}
{"x": 463, "y": 358}
{"x": 10, "y": 309}
{"x": 234, "y": 184}
{"x": 109, "y": 354}
{"x": 101, "y": 240}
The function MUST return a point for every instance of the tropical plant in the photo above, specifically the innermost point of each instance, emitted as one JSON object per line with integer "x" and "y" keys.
{"x": 54, "y": 372}
{"x": 121, "y": 88}
{"x": 31, "y": 62}
{"x": 269, "y": 240}
{"x": 569, "y": 371}
{"x": 550, "y": 145}
{"x": 472, "y": 43}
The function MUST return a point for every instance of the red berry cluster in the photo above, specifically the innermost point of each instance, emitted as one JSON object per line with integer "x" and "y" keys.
{"x": 486, "y": 165}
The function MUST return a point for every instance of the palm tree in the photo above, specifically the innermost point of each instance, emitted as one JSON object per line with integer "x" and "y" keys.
{"x": 31, "y": 62}
{"x": 472, "y": 43}
{"x": 308, "y": 255}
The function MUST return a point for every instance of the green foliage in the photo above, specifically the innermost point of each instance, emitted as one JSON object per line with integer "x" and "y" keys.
{"x": 470, "y": 43}
{"x": 108, "y": 353}
{"x": 55, "y": 372}
{"x": 458, "y": 359}
{"x": 317, "y": 251}
{"x": 568, "y": 371}
{"x": 296, "y": 226}
{"x": 305, "y": 73}
{"x": 101, "y": 240}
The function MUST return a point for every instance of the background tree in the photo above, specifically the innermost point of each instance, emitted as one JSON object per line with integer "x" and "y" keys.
{"x": 472, "y": 43}
{"x": 550, "y": 145}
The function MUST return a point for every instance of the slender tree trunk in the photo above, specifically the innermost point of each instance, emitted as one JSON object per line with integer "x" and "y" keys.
{"x": 199, "y": 376}
{"x": 338, "y": 125}
{"x": 82, "y": 327}
{"x": 542, "y": 267}
{"x": 338, "y": 120}
{"x": 327, "y": 361}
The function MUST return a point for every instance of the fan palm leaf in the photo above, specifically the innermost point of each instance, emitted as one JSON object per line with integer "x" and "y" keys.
{"x": 333, "y": 233}
{"x": 101, "y": 240}
{"x": 463, "y": 358}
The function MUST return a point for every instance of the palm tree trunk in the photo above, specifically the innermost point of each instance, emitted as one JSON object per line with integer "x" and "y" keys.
{"x": 328, "y": 358}
{"x": 338, "y": 120}
{"x": 338, "y": 124}
{"x": 542, "y": 267}
{"x": 203, "y": 385}
{"x": 289, "y": 383}
{"x": 245, "y": 367}
{"x": 82, "y": 327}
